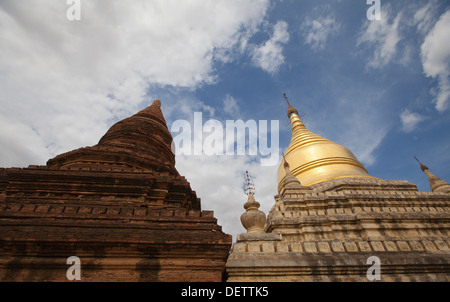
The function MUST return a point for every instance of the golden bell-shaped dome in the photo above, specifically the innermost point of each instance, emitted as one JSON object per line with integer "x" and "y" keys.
{"x": 313, "y": 159}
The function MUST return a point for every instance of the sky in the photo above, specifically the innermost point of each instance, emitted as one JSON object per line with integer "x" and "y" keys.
{"x": 70, "y": 69}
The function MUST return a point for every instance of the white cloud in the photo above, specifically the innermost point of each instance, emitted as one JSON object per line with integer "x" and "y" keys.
{"x": 317, "y": 32}
{"x": 384, "y": 35}
{"x": 269, "y": 56}
{"x": 410, "y": 120}
{"x": 64, "y": 82}
{"x": 15, "y": 152}
{"x": 363, "y": 137}
{"x": 435, "y": 53}
{"x": 182, "y": 106}
{"x": 366, "y": 126}
{"x": 230, "y": 106}
{"x": 424, "y": 17}
{"x": 223, "y": 191}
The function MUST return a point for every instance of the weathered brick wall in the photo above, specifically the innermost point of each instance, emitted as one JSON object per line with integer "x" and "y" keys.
{"x": 47, "y": 215}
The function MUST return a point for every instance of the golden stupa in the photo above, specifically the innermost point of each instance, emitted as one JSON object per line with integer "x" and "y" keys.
{"x": 313, "y": 159}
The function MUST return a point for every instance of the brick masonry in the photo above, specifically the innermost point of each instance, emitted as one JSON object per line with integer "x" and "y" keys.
{"x": 120, "y": 206}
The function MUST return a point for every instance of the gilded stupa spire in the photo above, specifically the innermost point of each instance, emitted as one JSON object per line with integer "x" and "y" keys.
{"x": 313, "y": 159}
{"x": 436, "y": 184}
{"x": 290, "y": 108}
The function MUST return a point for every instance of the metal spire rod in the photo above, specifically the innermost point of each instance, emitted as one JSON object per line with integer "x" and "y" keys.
{"x": 284, "y": 94}
{"x": 423, "y": 167}
{"x": 290, "y": 108}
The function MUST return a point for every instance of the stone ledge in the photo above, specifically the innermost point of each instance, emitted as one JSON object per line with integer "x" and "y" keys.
{"x": 271, "y": 244}
{"x": 258, "y": 237}
{"x": 358, "y": 260}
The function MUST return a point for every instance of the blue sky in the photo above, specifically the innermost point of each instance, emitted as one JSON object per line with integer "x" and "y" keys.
{"x": 381, "y": 87}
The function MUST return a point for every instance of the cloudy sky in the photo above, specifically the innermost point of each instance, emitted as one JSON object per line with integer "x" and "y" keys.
{"x": 380, "y": 87}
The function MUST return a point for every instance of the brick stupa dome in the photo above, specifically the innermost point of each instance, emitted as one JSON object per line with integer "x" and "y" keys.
{"x": 141, "y": 141}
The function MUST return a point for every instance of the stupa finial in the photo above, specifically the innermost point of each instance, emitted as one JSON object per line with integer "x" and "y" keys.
{"x": 249, "y": 184}
{"x": 290, "y": 108}
{"x": 253, "y": 219}
{"x": 423, "y": 167}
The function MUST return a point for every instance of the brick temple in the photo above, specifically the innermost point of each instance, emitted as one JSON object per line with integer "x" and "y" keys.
{"x": 120, "y": 206}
